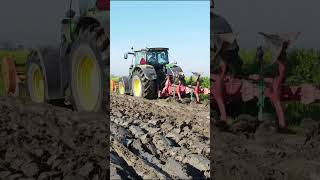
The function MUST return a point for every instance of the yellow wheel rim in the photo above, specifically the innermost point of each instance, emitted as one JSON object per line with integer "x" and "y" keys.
{"x": 88, "y": 83}
{"x": 137, "y": 88}
{"x": 121, "y": 88}
{"x": 37, "y": 84}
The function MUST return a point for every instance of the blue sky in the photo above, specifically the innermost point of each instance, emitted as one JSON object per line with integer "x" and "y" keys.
{"x": 182, "y": 26}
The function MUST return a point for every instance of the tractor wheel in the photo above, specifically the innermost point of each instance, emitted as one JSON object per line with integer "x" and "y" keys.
{"x": 122, "y": 89}
{"x": 35, "y": 80}
{"x": 88, "y": 57}
{"x": 123, "y": 85}
{"x": 143, "y": 87}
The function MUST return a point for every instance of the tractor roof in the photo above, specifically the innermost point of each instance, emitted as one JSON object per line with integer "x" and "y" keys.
{"x": 153, "y": 49}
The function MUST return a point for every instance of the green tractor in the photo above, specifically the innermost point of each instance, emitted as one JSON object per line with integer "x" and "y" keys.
{"x": 76, "y": 72}
{"x": 148, "y": 73}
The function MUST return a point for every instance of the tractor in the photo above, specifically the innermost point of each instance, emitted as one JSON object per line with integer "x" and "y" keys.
{"x": 152, "y": 76}
{"x": 76, "y": 72}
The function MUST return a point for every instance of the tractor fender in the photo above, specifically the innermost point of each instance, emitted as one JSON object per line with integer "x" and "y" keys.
{"x": 175, "y": 70}
{"x": 127, "y": 84}
{"x": 49, "y": 58}
{"x": 148, "y": 70}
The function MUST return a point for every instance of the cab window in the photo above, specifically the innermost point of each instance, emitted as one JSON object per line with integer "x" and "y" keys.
{"x": 139, "y": 56}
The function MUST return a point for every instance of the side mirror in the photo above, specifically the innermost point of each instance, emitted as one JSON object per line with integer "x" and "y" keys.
{"x": 70, "y": 13}
{"x": 125, "y": 56}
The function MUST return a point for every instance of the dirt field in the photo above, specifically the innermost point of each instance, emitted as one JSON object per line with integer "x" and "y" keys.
{"x": 149, "y": 139}
{"x": 159, "y": 139}
{"x": 254, "y": 153}
{"x": 45, "y": 142}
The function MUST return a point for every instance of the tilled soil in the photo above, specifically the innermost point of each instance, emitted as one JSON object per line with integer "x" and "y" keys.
{"x": 249, "y": 152}
{"x": 159, "y": 139}
{"x": 40, "y": 141}
{"x": 149, "y": 139}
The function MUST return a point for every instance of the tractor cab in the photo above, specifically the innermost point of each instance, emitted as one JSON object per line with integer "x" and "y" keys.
{"x": 156, "y": 57}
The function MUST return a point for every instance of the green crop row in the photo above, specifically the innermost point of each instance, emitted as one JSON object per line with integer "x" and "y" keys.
{"x": 302, "y": 66}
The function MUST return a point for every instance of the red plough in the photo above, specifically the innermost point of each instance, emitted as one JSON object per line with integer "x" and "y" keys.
{"x": 179, "y": 89}
{"x": 257, "y": 86}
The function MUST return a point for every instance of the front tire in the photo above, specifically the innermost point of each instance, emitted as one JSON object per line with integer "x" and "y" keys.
{"x": 35, "y": 79}
{"x": 121, "y": 85}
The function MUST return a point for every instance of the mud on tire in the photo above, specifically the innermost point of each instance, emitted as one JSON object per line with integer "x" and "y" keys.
{"x": 149, "y": 87}
{"x": 90, "y": 41}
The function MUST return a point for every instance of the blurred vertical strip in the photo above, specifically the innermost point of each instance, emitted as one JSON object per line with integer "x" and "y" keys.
{"x": 105, "y": 5}
{"x": 211, "y": 93}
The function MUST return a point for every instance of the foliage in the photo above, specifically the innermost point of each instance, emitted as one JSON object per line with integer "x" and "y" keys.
{"x": 204, "y": 81}
{"x": 250, "y": 62}
{"x": 20, "y": 56}
{"x": 303, "y": 65}
{"x": 114, "y": 78}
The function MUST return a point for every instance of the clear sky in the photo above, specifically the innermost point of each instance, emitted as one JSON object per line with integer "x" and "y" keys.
{"x": 248, "y": 17}
{"x": 182, "y": 26}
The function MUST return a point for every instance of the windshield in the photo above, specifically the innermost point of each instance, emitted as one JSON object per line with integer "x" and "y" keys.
{"x": 157, "y": 57}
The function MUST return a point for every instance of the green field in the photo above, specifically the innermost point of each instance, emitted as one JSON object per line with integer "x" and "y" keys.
{"x": 20, "y": 57}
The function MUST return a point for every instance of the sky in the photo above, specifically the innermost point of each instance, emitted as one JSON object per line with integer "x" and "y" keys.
{"x": 32, "y": 22}
{"x": 248, "y": 17}
{"x": 181, "y": 26}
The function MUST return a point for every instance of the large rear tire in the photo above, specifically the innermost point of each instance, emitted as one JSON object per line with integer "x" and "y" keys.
{"x": 143, "y": 87}
{"x": 89, "y": 70}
